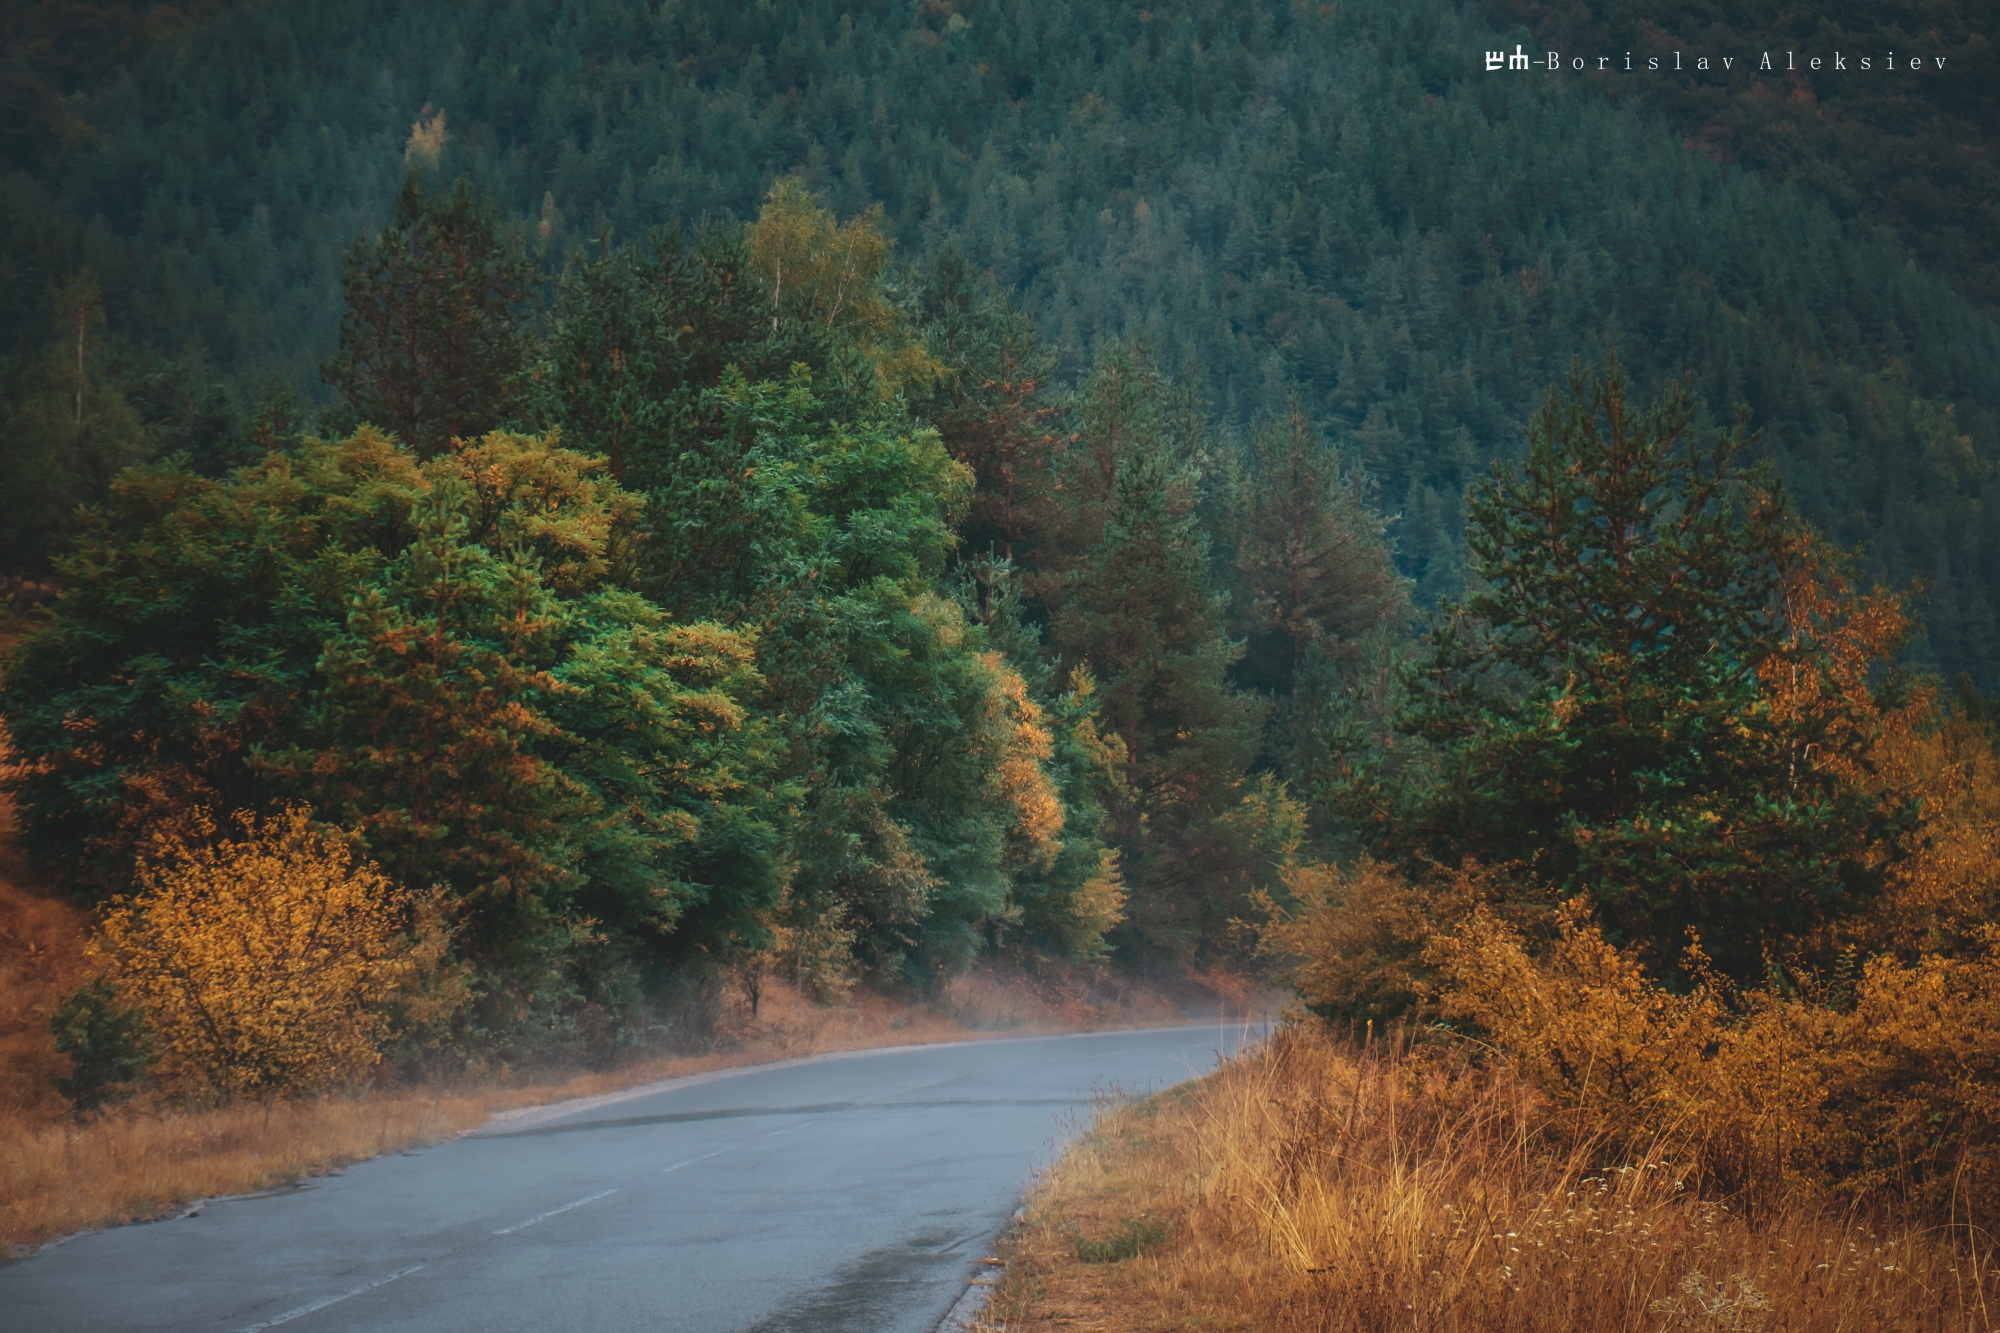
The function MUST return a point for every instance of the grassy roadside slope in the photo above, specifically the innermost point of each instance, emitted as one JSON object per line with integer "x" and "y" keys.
{"x": 41, "y": 958}
{"x": 1308, "y": 1186}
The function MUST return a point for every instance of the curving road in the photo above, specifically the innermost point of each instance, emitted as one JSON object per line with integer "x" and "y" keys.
{"x": 842, "y": 1194}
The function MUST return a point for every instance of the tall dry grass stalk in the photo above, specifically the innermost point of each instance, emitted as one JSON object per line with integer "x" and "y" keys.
{"x": 1309, "y": 1186}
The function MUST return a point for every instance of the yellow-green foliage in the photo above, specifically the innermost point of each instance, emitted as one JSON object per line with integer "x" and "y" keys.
{"x": 827, "y": 274}
{"x": 262, "y": 962}
{"x": 1353, "y": 937}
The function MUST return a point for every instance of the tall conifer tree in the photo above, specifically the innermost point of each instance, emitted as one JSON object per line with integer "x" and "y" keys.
{"x": 1137, "y": 606}
{"x": 431, "y": 347}
{"x": 1602, "y": 701}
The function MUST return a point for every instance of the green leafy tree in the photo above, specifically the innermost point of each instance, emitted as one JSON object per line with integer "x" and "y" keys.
{"x": 826, "y": 538}
{"x": 902, "y": 724}
{"x": 431, "y": 344}
{"x": 439, "y": 655}
{"x": 1598, "y": 700}
{"x": 1068, "y": 890}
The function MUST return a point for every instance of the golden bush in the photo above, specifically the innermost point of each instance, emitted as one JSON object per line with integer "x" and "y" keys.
{"x": 1583, "y": 1023}
{"x": 1912, "y": 1084}
{"x": 263, "y": 962}
{"x": 1353, "y": 939}
{"x": 1885, "y": 1085}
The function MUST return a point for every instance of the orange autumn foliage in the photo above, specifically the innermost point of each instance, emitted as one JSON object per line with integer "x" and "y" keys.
{"x": 1021, "y": 775}
{"x": 264, "y": 963}
{"x": 1886, "y": 1083}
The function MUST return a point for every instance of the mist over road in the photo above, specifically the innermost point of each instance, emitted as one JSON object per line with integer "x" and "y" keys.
{"x": 845, "y": 1194}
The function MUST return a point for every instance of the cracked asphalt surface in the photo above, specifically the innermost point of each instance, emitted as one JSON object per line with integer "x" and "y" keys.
{"x": 845, "y": 1194}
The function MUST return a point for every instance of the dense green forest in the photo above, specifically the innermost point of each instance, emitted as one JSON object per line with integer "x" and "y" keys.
{"x": 1338, "y": 201}
{"x": 881, "y": 482}
{"x": 1916, "y": 161}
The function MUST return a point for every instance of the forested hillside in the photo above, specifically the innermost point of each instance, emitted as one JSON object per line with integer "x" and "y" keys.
{"x": 830, "y": 492}
{"x": 1914, "y": 159}
{"x": 1337, "y": 200}
{"x": 527, "y": 527}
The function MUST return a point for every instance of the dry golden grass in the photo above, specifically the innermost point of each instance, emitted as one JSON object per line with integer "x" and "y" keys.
{"x": 41, "y": 958}
{"x": 131, "y": 1166}
{"x": 1305, "y": 1187}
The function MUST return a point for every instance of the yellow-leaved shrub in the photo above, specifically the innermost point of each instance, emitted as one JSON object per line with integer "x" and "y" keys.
{"x": 1582, "y": 1022}
{"x": 1913, "y": 1082}
{"x": 264, "y": 962}
{"x": 1885, "y": 1083}
{"x": 1354, "y": 938}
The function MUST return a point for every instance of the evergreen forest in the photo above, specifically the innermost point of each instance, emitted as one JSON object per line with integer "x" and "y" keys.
{"x": 835, "y": 491}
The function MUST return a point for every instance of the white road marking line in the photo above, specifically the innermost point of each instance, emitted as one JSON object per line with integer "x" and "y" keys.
{"x": 541, "y": 1217}
{"x": 692, "y": 1160}
{"x": 289, "y": 1315}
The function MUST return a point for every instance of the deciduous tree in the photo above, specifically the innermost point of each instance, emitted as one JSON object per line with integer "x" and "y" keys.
{"x": 262, "y": 960}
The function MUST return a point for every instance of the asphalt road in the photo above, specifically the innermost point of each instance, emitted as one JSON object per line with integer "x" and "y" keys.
{"x": 844, "y": 1194}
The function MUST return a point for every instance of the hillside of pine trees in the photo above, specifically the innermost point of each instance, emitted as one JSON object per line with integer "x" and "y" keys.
{"x": 1337, "y": 201}
{"x": 634, "y": 491}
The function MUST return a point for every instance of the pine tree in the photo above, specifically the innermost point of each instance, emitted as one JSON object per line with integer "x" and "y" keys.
{"x": 991, "y": 407}
{"x": 1311, "y": 561}
{"x": 66, "y": 436}
{"x": 431, "y": 344}
{"x": 1138, "y": 609}
{"x": 1600, "y": 697}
